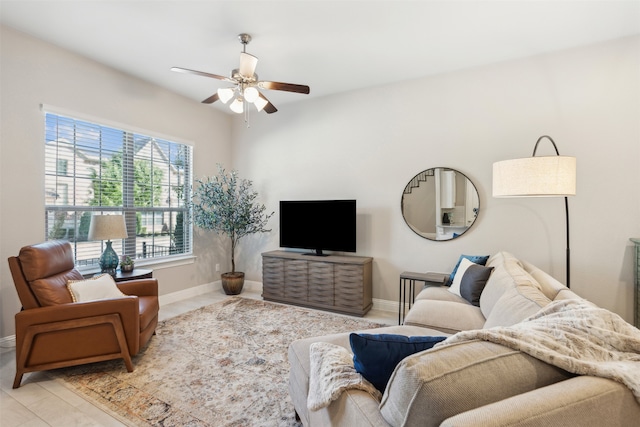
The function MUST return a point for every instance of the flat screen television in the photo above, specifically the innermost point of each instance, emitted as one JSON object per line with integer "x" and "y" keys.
{"x": 318, "y": 225}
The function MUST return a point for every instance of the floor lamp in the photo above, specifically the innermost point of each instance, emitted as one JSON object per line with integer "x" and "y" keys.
{"x": 543, "y": 176}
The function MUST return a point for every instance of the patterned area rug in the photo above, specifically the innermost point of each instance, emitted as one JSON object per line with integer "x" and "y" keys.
{"x": 220, "y": 365}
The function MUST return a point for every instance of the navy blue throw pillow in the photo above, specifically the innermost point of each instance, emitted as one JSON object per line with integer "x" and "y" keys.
{"x": 375, "y": 356}
{"x": 477, "y": 259}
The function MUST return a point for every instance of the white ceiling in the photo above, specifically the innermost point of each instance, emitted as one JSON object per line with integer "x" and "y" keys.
{"x": 332, "y": 46}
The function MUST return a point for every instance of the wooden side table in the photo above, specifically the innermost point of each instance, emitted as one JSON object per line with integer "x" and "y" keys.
{"x": 410, "y": 278}
{"x": 137, "y": 273}
{"x": 636, "y": 291}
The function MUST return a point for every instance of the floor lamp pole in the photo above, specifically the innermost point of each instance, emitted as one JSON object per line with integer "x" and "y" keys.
{"x": 566, "y": 208}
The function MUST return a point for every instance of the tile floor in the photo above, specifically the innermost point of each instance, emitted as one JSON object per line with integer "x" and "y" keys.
{"x": 44, "y": 402}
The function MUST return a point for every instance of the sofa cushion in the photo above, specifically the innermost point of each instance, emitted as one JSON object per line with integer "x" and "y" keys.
{"x": 446, "y": 316}
{"x": 429, "y": 387}
{"x": 548, "y": 284}
{"x": 477, "y": 259}
{"x": 508, "y": 273}
{"x": 439, "y": 293}
{"x": 515, "y": 305}
{"x": 375, "y": 356}
{"x": 566, "y": 294}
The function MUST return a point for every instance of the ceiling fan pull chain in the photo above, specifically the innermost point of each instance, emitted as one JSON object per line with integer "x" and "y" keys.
{"x": 246, "y": 112}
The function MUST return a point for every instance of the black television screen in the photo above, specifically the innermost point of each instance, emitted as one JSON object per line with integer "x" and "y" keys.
{"x": 318, "y": 225}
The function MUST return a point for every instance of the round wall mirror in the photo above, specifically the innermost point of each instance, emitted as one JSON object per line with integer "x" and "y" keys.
{"x": 440, "y": 204}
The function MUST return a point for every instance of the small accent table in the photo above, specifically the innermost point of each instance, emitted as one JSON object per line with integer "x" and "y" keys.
{"x": 136, "y": 273}
{"x": 410, "y": 278}
{"x": 636, "y": 292}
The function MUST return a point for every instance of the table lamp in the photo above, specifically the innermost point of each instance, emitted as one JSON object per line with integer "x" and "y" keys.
{"x": 543, "y": 176}
{"x": 107, "y": 227}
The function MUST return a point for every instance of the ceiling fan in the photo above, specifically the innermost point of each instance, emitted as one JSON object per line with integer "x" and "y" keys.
{"x": 246, "y": 84}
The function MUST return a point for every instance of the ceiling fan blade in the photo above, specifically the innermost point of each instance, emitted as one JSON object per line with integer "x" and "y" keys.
{"x": 269, "y": 108}
{"x": 202, "y": 73}
{"x": 210, "y": 100}
{"x": 248, "y": 64}
{"x": 289, "y": 87}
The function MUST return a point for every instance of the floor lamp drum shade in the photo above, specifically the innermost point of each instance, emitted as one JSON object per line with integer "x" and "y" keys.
{"x": 543, "y": 176}
{"x": 107, "y": 227}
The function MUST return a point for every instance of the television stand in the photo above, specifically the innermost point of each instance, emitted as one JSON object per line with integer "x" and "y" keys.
{"x": 338, "y": 283}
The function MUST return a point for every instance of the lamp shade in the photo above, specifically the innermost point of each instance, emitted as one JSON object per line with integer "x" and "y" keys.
{"x": 251, "y": 94}
{"x": 225, "y": 94}
{"x": 107, "y": 227}
{"x": 237, "y": 106}
{"x": 260, "y": 103}
{"x": 543, "y": 176}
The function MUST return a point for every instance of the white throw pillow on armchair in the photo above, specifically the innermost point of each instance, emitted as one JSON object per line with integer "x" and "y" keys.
{"x": 96, "y": 288}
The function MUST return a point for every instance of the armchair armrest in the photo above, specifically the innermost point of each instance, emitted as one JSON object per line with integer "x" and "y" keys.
{"x": 140, "y": 287}
{"x": 125, "y": 306}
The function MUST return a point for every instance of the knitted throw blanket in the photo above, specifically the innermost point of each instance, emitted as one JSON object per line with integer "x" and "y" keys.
{"x": 332, "y": 372}
{"x": 573, "y": 335}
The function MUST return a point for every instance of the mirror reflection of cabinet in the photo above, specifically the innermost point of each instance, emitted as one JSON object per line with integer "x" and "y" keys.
{"x": 446, "y": 184}
{"x": 440, "y": 204}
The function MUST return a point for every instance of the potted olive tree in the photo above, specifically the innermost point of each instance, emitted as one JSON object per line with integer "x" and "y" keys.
{"x": 227, "y": 205}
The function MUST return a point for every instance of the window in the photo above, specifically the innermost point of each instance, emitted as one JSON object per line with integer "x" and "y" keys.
{"x": 92, "y": 169}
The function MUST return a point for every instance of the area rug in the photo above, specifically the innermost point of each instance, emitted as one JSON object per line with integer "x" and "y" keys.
{"x": 221, "y": 365}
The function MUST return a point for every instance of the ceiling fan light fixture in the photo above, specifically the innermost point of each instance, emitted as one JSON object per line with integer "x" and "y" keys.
{"x": 237, "y": 106}
{"x": 248, "y": 64}
{"x": 225, "y": 94}
{"x": 251, "y": 94}
{"x": 246, "y": 85}
{"x": 260, "y": 103}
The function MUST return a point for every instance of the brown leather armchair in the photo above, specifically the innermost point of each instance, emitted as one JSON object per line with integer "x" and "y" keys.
{"x": 52, "y": 331}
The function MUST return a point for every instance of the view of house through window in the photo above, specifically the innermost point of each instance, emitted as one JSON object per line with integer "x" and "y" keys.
{"x": 91, "y": 169}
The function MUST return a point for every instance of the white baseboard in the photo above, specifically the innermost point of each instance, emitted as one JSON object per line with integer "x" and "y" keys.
{"x": 385, "y": 305}
{"x": 187, "y": 293}
{"x": 203, "y": 289}
{"x": 8, "y": 342}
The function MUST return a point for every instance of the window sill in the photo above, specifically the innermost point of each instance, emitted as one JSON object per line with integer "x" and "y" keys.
{"x": 157, "y": 264}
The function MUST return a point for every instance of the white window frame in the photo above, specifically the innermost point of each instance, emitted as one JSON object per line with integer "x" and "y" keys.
{"x": 131, "y": 245}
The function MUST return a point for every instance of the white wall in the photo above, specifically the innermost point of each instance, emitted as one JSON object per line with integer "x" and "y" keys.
{"x": 34, "y": 72}
{"x": 368, "y": 144}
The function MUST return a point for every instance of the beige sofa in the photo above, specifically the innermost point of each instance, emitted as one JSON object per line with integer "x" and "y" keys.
{"x": 475, "y": 383}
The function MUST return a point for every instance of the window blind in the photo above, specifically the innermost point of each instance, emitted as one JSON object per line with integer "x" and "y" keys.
{"x": 93, "y": 169}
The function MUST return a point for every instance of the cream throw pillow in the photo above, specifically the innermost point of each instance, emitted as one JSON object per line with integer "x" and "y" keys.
{"x": 96, "y": 288}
